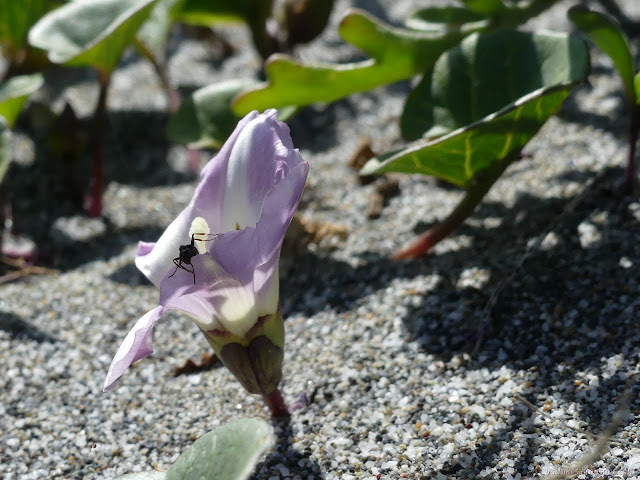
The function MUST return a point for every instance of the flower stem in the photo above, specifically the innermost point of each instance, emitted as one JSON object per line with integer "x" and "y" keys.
{"x": 276, "y": 404}
{"x": 475, "y": 194}
{"x": 93, "y": 202}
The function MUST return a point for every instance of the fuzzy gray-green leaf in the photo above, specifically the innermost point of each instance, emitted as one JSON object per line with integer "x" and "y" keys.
{"x": 90, "y": 32}
{"x": 230, "y": 452}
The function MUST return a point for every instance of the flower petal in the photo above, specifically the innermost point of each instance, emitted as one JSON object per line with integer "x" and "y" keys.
{"x": 155, "y": 260}
{"x": 136, "y": 345}
{"x": 256, "y": 164}
{"x": 277, "y": 213}
{"x": 216, "y": 301}
{"x": 278, "y": 210}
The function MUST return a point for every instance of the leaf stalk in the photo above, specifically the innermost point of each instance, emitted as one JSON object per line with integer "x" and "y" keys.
{"x": 93, "y": 202}
{"x": 475, "y": 193}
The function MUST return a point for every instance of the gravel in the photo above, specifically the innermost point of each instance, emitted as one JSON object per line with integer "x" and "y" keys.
{"x": 384, "y": 348}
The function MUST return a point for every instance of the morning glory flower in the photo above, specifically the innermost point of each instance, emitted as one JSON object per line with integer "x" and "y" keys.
{"x": 237, "y": 219}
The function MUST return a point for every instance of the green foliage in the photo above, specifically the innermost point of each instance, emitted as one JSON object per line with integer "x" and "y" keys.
{"x": 15, "y": 92}
{"x": 204, "y": 118}
{"x": 16, "y": 18}
{"x": 487, "y": 72}
{"x": 230, "y": 452}
{"x": 637, "y": 87}
{"x": 459, "y": 156}
{"x": 608, "y": 36}
{"x": 90, "y": 32}
{"x": 470, "y": 83}
{"x": 438, "y": 19}
{"x": 508, "y": 13}
{"x": 485, "y": 7}
{"x": 208, "y": 12}
{"x": 396, "y": 54}
{"x": 4, "y": 147}
{"x": 306, "y": 19}
{"x": 253, "y": 12}
{"x": 490, "y": 14}
{"x": 154, "y": 33}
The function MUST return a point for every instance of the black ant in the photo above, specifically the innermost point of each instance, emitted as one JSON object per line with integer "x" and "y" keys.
{"x": 187, "y": 252}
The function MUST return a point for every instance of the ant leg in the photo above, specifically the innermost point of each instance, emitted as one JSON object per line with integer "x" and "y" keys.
{"x": 193, "y": 239}
{"x": 178, "y": 264}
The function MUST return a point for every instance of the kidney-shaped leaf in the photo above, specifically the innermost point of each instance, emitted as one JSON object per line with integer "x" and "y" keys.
{"x": 396, "y": 54}
{"x": 459, "y": 156}
{"x": 90, "y": 32}
{"x": 488, "y": 71}
{"x": 14, "y": 92}
{"x": 605, "y": 32}
{"x": 230, "y": 452}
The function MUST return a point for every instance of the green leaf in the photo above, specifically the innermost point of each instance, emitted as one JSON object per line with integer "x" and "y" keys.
{"x": 485, "y": 73}
{"x": 606, "y": 33}
{"x": 462, "y": 154}
{"x": 144, "y": 476}
{"x": 518, "y": 12}
{"x": 396, "y": 54}
{"x": 90, "y": 32}
{"x": 16, "y": 18}
{"x": 254, "y": 13}
{"x": 230, "y": 452}
{"x": 485, "y": 7}
{"x": 154, "y": 33}
{"x": 15, "y": 92}
{"x": 448, "y": 19}
{"x": 306, "y": 19}
{"x": 4, "y": 147}
{"x": 204, "y": 119}
{"x": 637, "y": 86}
{"x": 208, "y": 12}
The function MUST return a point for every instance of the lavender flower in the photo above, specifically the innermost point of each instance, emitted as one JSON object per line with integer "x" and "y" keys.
{"x": 247, "y": 195}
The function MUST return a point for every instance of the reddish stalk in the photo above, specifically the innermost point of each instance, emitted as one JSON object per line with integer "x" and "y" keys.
{"x": 173, "y": 97}
{"x": 93, "y": 202}
{"x": 276, "y": 404}
{"x": 475, "y": 194}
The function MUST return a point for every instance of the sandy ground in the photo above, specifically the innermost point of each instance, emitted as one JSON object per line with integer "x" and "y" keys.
{"x": 383, "y": 345}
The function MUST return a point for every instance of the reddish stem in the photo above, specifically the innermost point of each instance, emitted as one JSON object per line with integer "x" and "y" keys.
{"x": 475, "y": 194}
{"x": 173, "y": 97}
{"x": 276, "y": 404}
{"x": 427, "y": 240}
{"x": 93, "y": 202}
